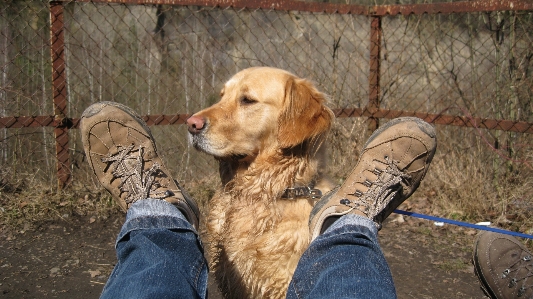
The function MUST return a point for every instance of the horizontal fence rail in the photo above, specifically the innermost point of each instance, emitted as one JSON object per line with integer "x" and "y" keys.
{"x": 379, "y": 69}
{"x": 176, "y": 119}
{"x": 377, "y": 10}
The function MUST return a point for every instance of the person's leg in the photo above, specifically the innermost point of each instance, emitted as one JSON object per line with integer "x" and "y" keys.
{"x": 344, "y": 262}
{"x": 159, "y": 255}
{"x": 344, "y": 259}
{"x": 503, "y": 265}
{"x": 158, "y": 249}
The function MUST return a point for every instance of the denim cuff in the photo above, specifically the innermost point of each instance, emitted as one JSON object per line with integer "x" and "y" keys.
{"x": 352, "y": 219}
{"x": 153, "y": 214}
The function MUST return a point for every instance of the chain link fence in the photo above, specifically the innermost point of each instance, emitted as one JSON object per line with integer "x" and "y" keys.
{"x": 468, "y": 72}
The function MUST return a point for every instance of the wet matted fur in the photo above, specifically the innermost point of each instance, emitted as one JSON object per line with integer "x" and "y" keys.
{"x": 267, "y": 133}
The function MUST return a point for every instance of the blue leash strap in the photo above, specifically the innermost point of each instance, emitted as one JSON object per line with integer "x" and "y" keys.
{"x": 460, "y": 223}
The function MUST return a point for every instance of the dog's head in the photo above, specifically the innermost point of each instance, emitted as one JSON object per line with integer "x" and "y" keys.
{"x": 261, "y": 109}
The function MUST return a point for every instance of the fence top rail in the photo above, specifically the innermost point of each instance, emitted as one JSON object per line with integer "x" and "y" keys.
{"x": 283, "y": 5}
{"x": 453, "y": 7}
{"x": 376, "y": 10}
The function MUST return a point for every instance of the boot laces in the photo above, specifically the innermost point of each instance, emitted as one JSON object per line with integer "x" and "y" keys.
{"x": 515, "y": 270}
{"x": 380, "y": 192}
{"x": 128, "y": 165}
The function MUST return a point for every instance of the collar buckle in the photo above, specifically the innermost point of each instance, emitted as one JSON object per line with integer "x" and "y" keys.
{"x": 301, "y": 192}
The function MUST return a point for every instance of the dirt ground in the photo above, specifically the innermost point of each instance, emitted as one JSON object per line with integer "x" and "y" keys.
{"x": 72, "y": 258}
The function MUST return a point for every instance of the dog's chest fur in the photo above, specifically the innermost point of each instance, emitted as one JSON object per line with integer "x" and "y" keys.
{"x": 256, "y": 238}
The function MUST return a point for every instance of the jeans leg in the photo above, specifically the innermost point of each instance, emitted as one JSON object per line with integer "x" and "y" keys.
{"x": 159, "y": 255}
{"x": 344, "y": 262}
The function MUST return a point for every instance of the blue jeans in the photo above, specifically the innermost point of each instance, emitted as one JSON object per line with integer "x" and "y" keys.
{"x": 160, "y": 256}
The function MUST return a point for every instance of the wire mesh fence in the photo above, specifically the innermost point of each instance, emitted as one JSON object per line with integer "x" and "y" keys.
{"x": 480, "y": 60}
{"x": 468, "y": 72}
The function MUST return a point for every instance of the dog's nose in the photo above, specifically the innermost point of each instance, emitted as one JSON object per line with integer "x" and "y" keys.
{"x": 195, "y": 124}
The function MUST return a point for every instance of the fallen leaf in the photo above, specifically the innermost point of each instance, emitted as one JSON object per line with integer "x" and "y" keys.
{"x": 470, "y": 232}
{"x": 54, "y": 270}
{"x": 94, "y": 273}
{"x": 92, "y": 219}
{"x": 398, "y": 218}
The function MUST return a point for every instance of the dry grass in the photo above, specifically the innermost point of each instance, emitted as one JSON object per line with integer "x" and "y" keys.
{"x": 24, "y": 201}
{"x": 23, "y": 204}
{"x": 473, "y": 183}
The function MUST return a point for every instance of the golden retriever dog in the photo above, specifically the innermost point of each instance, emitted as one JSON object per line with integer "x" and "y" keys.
{"x": 266, "y": 132}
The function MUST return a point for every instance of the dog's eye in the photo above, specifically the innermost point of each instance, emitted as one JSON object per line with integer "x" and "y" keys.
{"x": 247, "y": 101}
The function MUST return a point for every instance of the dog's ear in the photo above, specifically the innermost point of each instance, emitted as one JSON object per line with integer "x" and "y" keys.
{"x": 304, "y": 115}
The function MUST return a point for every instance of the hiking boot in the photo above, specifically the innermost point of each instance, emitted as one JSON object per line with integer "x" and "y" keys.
{"x": 503, "y": 266}
{"x": 393, "y": 162}
{"x": 122, "y": 154}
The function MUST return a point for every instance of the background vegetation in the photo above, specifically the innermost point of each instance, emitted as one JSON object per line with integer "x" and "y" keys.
{"x": 162, "y": 59}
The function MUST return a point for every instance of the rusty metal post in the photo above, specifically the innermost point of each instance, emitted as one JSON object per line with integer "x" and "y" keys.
{"x": 59, "y": 93}
{"x": 374, "y": 72}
